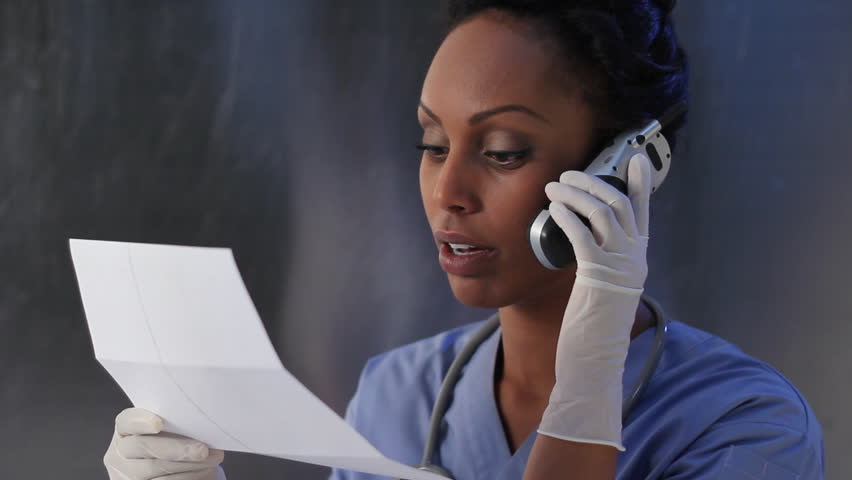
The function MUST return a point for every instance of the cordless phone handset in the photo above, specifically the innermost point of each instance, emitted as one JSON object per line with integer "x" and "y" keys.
{"x": 547, "y": 240}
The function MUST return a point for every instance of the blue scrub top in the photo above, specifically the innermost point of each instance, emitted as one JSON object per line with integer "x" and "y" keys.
{"x": 709, "y": 412}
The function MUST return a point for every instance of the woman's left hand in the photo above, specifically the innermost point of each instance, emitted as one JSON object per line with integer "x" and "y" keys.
{"x": 585, "y": 404}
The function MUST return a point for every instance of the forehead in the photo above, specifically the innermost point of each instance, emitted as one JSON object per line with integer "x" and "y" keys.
{"x": 486, "y": 62}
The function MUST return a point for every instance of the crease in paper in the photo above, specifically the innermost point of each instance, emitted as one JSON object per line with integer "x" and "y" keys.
{"x": 176, "y": 328}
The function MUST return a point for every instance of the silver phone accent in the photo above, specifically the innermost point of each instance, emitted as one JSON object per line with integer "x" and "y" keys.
{"x": 547, "y": 240}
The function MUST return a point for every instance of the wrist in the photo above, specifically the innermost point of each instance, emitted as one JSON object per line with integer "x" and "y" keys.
{"x": 594, "y": 282}
{"x": 630, "y": 278}
{"x": 585, "y": 403}
{"x": 585, "y": 418}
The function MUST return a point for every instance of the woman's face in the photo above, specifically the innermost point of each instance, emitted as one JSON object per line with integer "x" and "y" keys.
{"x": 469, "y": 183}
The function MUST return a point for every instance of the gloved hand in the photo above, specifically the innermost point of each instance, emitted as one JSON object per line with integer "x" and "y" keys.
{"x": 585, "y": 404}
{"x": 139, "y": 451}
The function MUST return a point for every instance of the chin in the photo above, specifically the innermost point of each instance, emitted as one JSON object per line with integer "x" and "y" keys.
{"x": 526, "y": 287}
{"x": 478, "y": 292}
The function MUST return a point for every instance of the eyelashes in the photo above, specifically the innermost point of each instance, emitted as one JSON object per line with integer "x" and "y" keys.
{"x": 432, "y": 150}
{"x": 508, "y": 155}
{"x": 501, "y": 157}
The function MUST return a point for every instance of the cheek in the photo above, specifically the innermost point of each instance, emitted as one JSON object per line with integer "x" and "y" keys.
{"x": 516, "y": 207}
{"x": 425, "y": 185}
{"x": 513, "y": 210}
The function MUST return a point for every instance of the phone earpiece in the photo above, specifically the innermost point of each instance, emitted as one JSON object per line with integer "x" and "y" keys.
{"x": 547, "y": 240}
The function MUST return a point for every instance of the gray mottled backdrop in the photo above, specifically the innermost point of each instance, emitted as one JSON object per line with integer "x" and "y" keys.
{"x": 285, "y": 131}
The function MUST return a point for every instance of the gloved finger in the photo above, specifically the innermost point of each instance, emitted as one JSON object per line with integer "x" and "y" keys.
{"x": 166, "y": 446}
{"x": 149, "y": 468}
{"x": 639, "y": 182}
{"x": 605, "y": 226}
{"x": 138, "y": 421}
{"x": 580, "y": 236}
{"x": 199, "y": 475}
{"x": 617, "y": 201}
{"x": 116, "y": 474}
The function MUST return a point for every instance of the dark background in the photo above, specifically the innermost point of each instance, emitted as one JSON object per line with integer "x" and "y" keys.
{"x": 285, "y": 131}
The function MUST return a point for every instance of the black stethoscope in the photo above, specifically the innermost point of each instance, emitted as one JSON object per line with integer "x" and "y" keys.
{"x": 442, "y": 403}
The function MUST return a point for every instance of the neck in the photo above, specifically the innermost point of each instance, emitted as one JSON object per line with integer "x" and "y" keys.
{"x": 529, "y": 336}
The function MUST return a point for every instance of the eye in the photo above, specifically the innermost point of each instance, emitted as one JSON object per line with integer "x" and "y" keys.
{"x": 434, "y": 151}
{"x": 508, "y": 157}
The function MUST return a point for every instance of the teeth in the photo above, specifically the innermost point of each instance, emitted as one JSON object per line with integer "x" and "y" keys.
{"x": 464, "y": 249}
{"x": 456, "y": 246}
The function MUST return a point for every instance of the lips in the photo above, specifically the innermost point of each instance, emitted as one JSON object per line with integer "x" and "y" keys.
{"x": 465, "y": 261}
{"x": 472, "y": 263}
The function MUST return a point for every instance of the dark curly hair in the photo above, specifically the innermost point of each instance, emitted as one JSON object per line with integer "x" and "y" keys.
{"x": 625, "y": 53}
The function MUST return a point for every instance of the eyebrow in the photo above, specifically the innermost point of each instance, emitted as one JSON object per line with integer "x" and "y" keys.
{"x": 480, "y": 116}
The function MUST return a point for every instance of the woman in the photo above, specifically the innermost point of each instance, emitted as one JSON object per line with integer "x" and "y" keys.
{"x": 520, "y": 94}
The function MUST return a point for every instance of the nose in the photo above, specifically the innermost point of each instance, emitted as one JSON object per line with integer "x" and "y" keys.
{"x": 456, "y": 184}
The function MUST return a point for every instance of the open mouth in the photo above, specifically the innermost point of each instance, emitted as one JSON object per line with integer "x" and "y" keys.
{"x": 462, "y": 249}
{"x": 465, "y": 259}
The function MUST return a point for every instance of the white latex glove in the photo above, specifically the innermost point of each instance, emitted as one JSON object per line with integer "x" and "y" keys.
{"x": 585, "y": 404}
{"x": 139, "y": 451}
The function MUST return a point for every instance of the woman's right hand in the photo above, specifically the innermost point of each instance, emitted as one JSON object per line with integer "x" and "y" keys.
{"x": 139, "y": 451}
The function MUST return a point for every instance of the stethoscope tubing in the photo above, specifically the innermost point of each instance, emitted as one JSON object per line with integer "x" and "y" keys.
{"x": 485, "y": 331}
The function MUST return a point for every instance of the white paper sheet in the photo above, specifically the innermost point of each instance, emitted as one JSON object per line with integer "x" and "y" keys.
{"x": 177, "y": 330}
